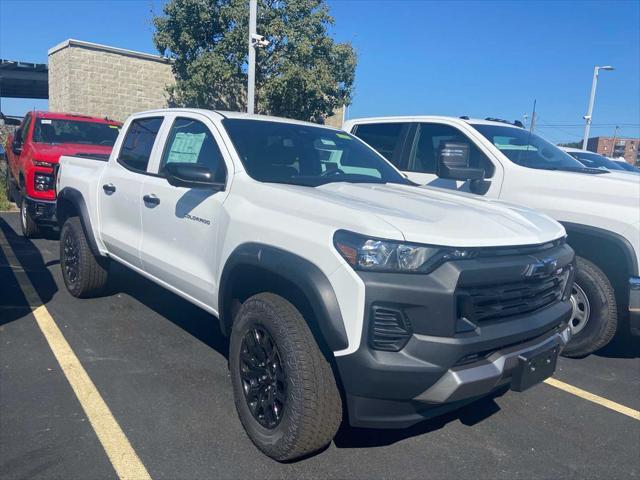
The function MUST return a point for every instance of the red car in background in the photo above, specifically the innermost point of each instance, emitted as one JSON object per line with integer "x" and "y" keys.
{"x": 33, "y": 152}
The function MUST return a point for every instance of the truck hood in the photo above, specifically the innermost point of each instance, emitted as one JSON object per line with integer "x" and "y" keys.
{"x": 607, "y": 201}
{"x": 434, "y": 216}
{"x": 52, "y": 152}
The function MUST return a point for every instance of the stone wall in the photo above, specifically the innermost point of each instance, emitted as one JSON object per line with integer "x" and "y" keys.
{"x": 99, "y": 80}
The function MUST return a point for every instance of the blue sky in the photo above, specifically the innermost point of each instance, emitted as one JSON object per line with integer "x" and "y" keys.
{"x": 416, "y": 57}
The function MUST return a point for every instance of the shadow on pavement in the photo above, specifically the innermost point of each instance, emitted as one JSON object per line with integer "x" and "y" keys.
{"x": 192, "y": 319}
{"x": 469, "y": 415}
{"x": 13, "y": 304}
{"x": 623, "y": 345}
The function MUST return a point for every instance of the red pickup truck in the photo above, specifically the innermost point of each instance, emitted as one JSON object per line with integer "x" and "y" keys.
{"x": 32, "y": 154}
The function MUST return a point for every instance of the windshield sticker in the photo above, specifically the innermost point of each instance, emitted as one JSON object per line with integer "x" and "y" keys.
{"x": 114, "y": 126}
{"x": 326, "y": 141}
{"x": 44, "y": 121}
{"x": 186, "y": 147}
{"x": 343, "y": 135}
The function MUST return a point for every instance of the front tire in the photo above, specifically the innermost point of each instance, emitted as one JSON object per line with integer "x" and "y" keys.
{"x": 84, "y": 274}
{"x": 284, "y": 389}
{"x": 28, "y": 225}
{"x": 595, "y": 316}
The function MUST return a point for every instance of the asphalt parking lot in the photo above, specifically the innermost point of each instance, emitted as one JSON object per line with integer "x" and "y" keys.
{"x": 159, "y": 364}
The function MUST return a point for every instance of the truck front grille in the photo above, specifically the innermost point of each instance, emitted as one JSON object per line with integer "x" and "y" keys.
{"x": 500, "y": 301}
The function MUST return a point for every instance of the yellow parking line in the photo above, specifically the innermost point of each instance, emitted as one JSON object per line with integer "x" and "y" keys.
{"x": 123, "y": 457}
{"x": 616, "y": 407}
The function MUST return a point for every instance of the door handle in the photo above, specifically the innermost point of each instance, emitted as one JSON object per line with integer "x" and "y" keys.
{"x": 109, "y": 188}
{"x": 151, "y": 199}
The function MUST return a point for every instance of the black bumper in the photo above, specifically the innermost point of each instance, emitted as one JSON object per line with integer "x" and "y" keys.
{"x": 634, "y": 305}
{"x": 41, "y": 211}
{"x": 448, "y": 359}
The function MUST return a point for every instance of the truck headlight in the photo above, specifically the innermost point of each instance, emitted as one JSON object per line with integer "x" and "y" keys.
{"x": 42, "y": 182}
{"x": 374, "y": 254}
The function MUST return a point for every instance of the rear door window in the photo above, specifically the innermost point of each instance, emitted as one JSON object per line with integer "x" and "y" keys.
{"x": 386, "y": 138}
{"x": 138, "y": 143}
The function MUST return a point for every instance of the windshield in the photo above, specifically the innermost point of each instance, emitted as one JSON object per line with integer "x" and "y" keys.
{"x": 305, "y": 155}
{"x": 593, "y": 160}
{"x": 51, "y": 130}
{"x": 623, "y": 165}
{"x": 529, "y": 150}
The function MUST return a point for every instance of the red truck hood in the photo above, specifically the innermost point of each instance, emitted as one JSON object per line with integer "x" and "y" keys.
{"x": 52, "y": 153}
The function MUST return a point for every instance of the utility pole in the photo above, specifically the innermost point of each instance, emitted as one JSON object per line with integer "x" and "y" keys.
{"x": 255, "y": 41}
{"x": 613, "y": 144}
{"x": 592, "y": 98}
{"x": 251, "y": 85}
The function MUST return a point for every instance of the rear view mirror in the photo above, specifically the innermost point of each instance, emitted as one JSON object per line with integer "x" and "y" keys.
{"x": 191, "y": 175}
{"x": 453, "y": 163}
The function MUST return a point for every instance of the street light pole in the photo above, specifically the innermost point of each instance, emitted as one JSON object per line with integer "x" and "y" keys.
{"x": 589, "y": 114}
{"x": 251, "y": 83}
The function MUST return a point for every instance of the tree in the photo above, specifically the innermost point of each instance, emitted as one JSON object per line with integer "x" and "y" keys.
{"x": 301, "y": 74}
{"x": 577, "y": 144}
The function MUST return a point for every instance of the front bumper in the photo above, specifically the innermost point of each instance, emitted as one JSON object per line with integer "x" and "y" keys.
{"x": 447, "y": 361}
{"x": 41, "y": 211}
{"x": 634, "y": 305}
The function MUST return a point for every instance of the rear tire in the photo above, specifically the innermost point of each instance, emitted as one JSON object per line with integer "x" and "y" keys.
{"x": 310, "y": 408}
{"x": 84, "y": 274}
{"x": 593, "y": 295}
{"x": 28, "y": 225}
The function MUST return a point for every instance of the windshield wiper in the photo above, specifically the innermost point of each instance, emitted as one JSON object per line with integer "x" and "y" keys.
{"x": 570, "y": 169}
{"x": 594, "y": 171}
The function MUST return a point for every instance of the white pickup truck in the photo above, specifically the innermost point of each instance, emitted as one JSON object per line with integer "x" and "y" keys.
{"x": 344, "y": 288}
{"x": 600, "y": 210}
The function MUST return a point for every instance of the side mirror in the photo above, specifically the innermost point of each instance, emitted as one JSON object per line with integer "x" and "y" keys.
{"x": 453, "y": 163}
{"x": 16, "y": 145}
{"x": 191, "y": 175}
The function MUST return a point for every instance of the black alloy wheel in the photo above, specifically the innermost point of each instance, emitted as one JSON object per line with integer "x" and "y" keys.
{"x": 263, "y": 377}
{"x": 71, "y": 257}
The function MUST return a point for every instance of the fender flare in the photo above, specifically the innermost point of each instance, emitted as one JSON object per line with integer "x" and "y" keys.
{"x": 601, "y": 234}
{"x": 313, "y": 283}
{"x": 73, "y": 196}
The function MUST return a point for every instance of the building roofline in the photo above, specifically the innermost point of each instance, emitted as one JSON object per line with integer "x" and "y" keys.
{"x": 609, "y": 137}
{"x": 107, "y": 48}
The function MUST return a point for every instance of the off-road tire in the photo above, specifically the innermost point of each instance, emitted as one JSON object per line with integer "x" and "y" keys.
{"x": 313, "y": 409}
{"x": 603, "y": 319}
{"x": 84, "y": 274}
{"x": 28, "y": 226}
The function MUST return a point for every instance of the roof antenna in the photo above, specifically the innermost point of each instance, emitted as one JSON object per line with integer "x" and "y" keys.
{"x": 533, "y": 118}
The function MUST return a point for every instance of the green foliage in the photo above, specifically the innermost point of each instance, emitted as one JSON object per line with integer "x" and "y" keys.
{"x": 577, "y": 144}
{"x": 302, "y": 74}
{"x": 4, "y": 202}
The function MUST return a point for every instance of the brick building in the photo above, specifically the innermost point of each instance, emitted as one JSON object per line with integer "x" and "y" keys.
{"x": 624, "y": 147}
{"x": 100, "y": 80}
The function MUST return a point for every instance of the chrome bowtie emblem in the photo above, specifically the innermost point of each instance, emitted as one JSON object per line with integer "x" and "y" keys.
{"x": 545, "y": 266}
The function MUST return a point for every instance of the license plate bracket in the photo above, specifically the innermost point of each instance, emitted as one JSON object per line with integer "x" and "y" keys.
{"x": 534, "y": 366}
